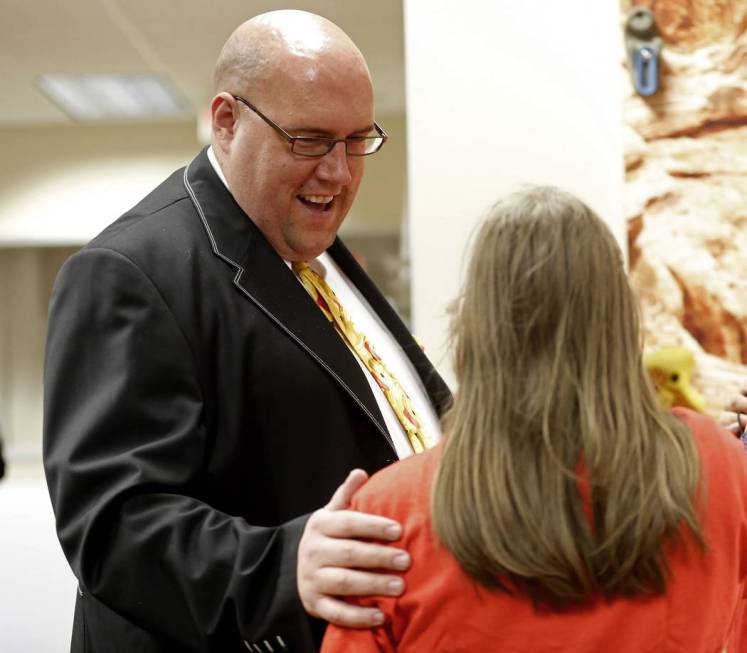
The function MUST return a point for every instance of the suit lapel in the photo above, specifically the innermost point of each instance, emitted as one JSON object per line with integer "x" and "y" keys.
{"x": 263, "y": 278}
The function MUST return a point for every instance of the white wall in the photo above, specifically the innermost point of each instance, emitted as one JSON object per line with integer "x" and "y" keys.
{"x": 63, "y": 184}
{"x": 500, "y": 94}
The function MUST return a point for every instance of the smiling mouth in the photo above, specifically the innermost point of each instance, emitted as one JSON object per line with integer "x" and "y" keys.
{"x": 317, "y": 202}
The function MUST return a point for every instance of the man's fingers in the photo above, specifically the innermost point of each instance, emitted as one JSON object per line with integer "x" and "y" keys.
{"x": 730, "y": 426}
{"x": 353, "y": 582}
{"x": 334, "y": 553}
{"x": 726, "y": 418}
{"x": 351, "y": 524}
{"x": 349, "y": 554}
{"x": 341, "y": 498}
{"x": 738, "y": 403}
{"x": 343, "y": 614}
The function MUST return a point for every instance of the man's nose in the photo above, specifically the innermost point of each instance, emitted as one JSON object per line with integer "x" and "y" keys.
{"x": 334, "y": 165}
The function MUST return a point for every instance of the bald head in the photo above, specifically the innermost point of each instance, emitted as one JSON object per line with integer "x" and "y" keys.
{"x": 290, "y": 42}
{"x": 284, "y": 76}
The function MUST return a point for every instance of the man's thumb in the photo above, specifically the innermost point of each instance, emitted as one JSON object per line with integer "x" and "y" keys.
{"x": 341, "y": 498}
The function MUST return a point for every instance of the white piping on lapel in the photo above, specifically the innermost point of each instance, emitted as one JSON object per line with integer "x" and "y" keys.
{"x": 266, "y": 311}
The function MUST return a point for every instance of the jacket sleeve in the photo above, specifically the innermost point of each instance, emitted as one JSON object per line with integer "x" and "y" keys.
{"x": 125, "y": 453}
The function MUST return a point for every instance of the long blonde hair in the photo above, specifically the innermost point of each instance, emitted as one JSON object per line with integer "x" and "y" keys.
{"x": 553, "y": 397}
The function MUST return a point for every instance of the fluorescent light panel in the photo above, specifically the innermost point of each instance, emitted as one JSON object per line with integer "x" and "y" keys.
{"x": 112, "y": 97}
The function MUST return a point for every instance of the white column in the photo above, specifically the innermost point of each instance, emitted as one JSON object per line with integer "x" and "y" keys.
{"x": 498, "y": 94}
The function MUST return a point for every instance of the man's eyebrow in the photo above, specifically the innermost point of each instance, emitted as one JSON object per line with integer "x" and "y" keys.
{"x": 315, "y": 131}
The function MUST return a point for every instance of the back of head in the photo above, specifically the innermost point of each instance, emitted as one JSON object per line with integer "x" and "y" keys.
{"x": 546, "y": 290}
{"x": 553, "y": 395}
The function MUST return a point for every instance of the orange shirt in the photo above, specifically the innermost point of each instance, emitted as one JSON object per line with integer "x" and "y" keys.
{"x": 442, "y": 609}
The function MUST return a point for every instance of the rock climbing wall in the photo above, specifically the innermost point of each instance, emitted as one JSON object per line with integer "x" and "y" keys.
{"x": 686, "y": 190}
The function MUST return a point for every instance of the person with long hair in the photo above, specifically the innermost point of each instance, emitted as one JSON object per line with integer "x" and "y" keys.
{"x": 565, "y": 510}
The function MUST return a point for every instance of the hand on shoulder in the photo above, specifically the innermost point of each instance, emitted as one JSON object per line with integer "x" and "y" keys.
{"x": 334, "y": 560}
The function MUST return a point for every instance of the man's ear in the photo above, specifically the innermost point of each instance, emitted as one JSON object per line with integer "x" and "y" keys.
{"x": 225, "y": 115}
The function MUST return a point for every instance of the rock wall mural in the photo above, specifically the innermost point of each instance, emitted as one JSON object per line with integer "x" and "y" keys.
{"x": 686, "y": 190}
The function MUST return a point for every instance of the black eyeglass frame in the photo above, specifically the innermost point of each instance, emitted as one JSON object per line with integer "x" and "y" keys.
{"x": 330, "y": 142}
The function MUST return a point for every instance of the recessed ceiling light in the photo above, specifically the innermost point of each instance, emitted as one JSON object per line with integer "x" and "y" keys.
{"x": 113, "y": 97}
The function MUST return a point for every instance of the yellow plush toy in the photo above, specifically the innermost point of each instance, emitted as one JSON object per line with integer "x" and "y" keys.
{"x": 670, "y": 369}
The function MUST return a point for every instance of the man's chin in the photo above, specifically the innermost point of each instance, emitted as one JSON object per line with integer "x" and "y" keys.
{"x": 309, "y": 249}
{"x": 314, "y": 239}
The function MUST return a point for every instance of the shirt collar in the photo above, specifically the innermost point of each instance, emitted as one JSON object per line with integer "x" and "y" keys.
{"x": 216, "y": 166}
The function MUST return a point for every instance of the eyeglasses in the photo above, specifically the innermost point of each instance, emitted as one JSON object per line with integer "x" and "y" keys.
{"x": 319, "y": 145}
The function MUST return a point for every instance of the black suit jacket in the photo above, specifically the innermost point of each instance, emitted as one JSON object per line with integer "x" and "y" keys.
{"x": 198, "y": 406}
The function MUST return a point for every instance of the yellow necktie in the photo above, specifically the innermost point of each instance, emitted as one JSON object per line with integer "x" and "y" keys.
{"x": 395, "y": 394}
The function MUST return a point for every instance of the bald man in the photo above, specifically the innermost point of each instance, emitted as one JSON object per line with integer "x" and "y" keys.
{"x": 200, "y": 408}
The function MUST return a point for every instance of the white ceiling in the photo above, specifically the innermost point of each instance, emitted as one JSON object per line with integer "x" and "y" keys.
{"x": 178, "y": 38}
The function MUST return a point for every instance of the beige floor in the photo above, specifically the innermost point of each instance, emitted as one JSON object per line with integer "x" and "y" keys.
{"x": 37, "y": 588}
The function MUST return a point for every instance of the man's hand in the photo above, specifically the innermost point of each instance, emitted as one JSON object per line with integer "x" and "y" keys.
{"x": 737, "y": 404}
{"x": 331, "y": 559}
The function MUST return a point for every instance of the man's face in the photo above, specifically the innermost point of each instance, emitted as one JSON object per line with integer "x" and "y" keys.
{"x": 300, "y": 202}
